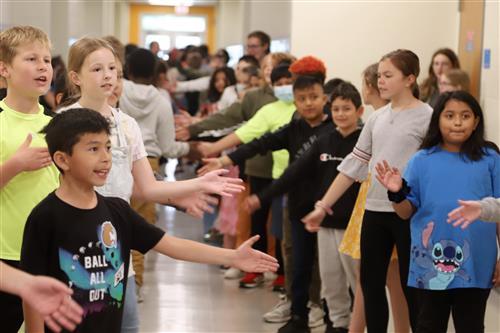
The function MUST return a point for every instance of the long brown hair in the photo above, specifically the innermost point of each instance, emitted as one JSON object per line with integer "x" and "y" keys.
{"x": 430, "y": 85}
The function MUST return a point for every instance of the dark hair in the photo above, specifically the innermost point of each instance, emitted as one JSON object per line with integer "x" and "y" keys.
{"x": 330, "y": 85}
{"x": 249, "y": 59}
{"x": 213, "y": 94}
{"x": 474, "y": 146}
{"x": 64, "y": 131}
{"x": 306, "y": 81}
{"x": 263, "y": 37}
{"x": 141, "y": 64}
{"x": 223, "y": 54}
{"x": 58, "y": 66}
{"x": 279, "y": 72}
{"x": 251, "y": 71}
{"x": 61, "y": 87}
{"x": 161, "y": 68}
{"x": 429, "y": 86}
{"x": 347, "y": 91}
{"x": 408, "y": 63}
{"x": 203, "y": 49}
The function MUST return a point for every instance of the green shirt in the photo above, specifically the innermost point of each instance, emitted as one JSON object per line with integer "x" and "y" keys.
{"x": 26, "y": 189}
{"x": 234, "y": 116}
{"x": 268, "y": 119}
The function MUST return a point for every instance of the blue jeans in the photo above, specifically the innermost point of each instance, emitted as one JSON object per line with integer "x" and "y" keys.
{"x": 130, "y": 318}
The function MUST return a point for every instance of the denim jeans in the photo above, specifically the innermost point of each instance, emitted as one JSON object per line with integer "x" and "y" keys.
{"x": 130, "y": 319}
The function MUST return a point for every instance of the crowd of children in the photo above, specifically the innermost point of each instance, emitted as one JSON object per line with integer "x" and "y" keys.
{"x": 400, "y": 201}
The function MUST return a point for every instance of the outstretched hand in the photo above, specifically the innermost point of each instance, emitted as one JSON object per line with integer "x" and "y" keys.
{"x": 313, "y": 220}
{"x": 197, "y": 204}
{"x": 388, "y": 176}
{"x": 214, "y": 182}
{"x": 250, "y": 260}
{"x": 251, "y": 203}
{"x": 211, "y": 164}
{"x": 52, "y": 299}
{"x": 467, "y": 213}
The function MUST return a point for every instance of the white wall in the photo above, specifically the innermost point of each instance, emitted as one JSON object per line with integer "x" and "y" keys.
{"x": 351, "y": 36}
{"x": 235, "y": 19}
{"x": 490, "y": 87}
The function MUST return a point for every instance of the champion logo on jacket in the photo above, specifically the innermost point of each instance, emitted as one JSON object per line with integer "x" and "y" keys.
{"x": 327, "y": 157}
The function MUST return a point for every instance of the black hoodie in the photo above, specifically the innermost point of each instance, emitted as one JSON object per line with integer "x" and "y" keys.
{"x": 296, "y": 137}
{"x": 317, "y": 168}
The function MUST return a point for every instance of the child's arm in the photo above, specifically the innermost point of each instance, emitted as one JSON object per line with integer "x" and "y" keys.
{"x": 160, "y": 191}
{"x": 391, "y": 179}
{"x": 338, "y": 187}
{"x": 244, "y": 258}
{"x": 25, "y": 158}
{"x": 33, "y": 322}
{"x": 215, "y": 148}
{"x": 47, "y": 296}
{"x": 300, "y": 169}
{"x": 268, "y": 142}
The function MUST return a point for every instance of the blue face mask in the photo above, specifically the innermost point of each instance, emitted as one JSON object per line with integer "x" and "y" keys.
{"x": 284, "y": 93}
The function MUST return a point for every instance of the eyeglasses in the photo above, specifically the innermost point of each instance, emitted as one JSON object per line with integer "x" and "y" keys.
{"x": 253, "y": 46}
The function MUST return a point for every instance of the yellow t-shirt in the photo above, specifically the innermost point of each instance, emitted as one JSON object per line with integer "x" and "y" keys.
{"x": 23, "y": 192}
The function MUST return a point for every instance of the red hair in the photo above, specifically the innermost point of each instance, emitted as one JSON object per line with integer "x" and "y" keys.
{"x": 308, "y": 65}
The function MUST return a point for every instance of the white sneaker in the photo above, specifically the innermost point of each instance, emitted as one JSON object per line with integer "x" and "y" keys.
{"x": 280, "y": 313}
{"x": 233, "y": 273}
{"x": 316, "y": 315}
{"x": 270, "y": 276}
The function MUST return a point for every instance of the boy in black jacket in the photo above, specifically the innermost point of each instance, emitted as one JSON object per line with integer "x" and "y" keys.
{"x": 308, "y": 124}
{"x": 307, "y": 178}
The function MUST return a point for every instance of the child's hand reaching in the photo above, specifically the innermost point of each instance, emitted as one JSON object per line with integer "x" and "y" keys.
{"x": 388, "y": 176}
{"x": 52, "y": 299}
{"x": 468, "y": 212}
{"x": 211, "y": 164}
{"x": 251, "y": 203}
{"x": 214, "y": 182}
{"x": 251, "y": 260}
{"x": 313, "y": 220}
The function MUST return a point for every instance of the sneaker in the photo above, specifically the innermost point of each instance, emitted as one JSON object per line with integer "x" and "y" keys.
{"x": 280, "y": 313}
{"x": 331, "y": 329}
{"x": 296, "y": 324}
{"x": 233, "y": 273}
{"x": 279, "y": 284}
{"x": 251, "y": 280}
{"x": 316, "y": 315}
{"x": 270, "y": 276}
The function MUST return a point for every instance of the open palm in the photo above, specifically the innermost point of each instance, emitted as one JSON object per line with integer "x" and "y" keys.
{"x": 214, "y": 182}
{"x": 388, "y": 176}
{"x": 250, "y": 260}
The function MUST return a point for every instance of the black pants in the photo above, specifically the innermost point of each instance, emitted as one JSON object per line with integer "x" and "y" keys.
{"x": 304, "y": 247}
{"x": 260, "y": 216}
{"x": 379, "y": 233}
{"x": 11, "y": 308}
{"x": 467, "y": 307}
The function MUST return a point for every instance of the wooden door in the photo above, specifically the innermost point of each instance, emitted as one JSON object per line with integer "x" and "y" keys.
{"x": 470, "y": 43}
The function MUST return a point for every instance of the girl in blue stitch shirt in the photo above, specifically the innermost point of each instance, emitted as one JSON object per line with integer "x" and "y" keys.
{"x": 452, "y": 269}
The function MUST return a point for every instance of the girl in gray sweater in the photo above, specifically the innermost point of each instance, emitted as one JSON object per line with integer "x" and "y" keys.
{"x": 394, "y": 132}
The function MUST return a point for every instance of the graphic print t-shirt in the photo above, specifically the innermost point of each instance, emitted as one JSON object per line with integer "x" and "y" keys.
{"x": 88, "y": 249}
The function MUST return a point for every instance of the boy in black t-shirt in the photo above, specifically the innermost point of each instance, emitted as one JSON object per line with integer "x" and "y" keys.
{"x": 84, "y": 239}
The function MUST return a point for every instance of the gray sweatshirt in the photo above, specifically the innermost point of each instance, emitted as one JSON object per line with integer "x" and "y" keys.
{"x": 154, "y": 114}
{"x": 387, "y": 135}
{"x": 490, "y": 209}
